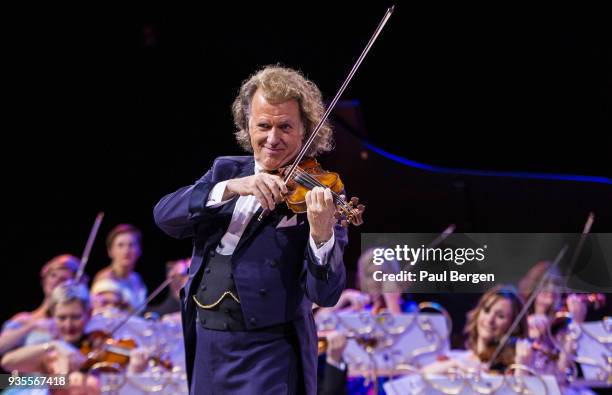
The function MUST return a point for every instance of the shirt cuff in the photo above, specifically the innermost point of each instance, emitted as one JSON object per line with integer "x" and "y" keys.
{"x": 216, "y": 195}
{"x": 321, "y": 253}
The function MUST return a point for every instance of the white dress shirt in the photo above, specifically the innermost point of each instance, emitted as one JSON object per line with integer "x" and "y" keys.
{"x": 246, "y": 206}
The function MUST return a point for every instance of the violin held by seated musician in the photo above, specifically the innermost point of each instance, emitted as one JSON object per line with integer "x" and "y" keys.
{"x": 493, "y": 316}
{"x": 104, "y": 353}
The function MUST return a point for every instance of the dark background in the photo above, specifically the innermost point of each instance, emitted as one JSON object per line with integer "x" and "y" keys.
{"x": 108, "y": 110}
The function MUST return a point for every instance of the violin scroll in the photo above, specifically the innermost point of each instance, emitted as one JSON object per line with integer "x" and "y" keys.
{"x": 350, "y": 213}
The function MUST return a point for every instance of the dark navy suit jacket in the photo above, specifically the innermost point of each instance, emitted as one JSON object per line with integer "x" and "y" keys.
{"x": 275, "y": 272}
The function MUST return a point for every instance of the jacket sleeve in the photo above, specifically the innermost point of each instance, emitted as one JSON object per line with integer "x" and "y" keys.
{"x": 177, "y": 213}
{"x": 323, "y": 284}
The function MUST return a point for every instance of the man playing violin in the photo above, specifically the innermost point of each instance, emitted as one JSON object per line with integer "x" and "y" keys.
{"x": 247, "y": 306}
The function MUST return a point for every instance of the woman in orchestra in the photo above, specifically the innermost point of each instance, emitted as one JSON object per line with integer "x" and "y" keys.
{"x": 551, "y": 355}
{"x": 124, "y": 247}
{"x": 108, "y": 298}
{"x": 486, "y": 324}
{"x": 19, "y": 327}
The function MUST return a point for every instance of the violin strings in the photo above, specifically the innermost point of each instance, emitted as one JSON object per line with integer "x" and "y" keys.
{"x": 308, "y": 181}
{"x": 314, "y": 182}
{"x": 311, "y": 182}
{"x": 339, "y": 201}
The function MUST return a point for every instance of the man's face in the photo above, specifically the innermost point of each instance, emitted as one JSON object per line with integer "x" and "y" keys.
{"x": 276, "y": 131}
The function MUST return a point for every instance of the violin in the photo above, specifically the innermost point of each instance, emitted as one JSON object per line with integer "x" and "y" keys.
{"x": 501, "y": 355}
{"x": 309, "y": 174}
{"x": 111, "y": 355}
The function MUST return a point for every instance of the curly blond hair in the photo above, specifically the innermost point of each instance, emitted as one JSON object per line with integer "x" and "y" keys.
{"x": 279, "y": 84}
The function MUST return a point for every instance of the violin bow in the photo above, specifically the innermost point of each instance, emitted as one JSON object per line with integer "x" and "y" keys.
{"x": 526, "y": 306}
{"x": 587, "y": 228}
{"x": 585, "y": 232}
{"x": 450, "y": 229}
{"x": 439, "y": 239}
{"x": 90, "y": 240}
{"x": 308, "y": 143}
{"x": 144, "y": 304}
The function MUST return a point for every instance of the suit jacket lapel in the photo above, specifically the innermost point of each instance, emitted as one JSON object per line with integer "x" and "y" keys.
{"x": 254, "y": 225}
{"x": 226, "y": 211}
{"x": 246, "y": 169}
